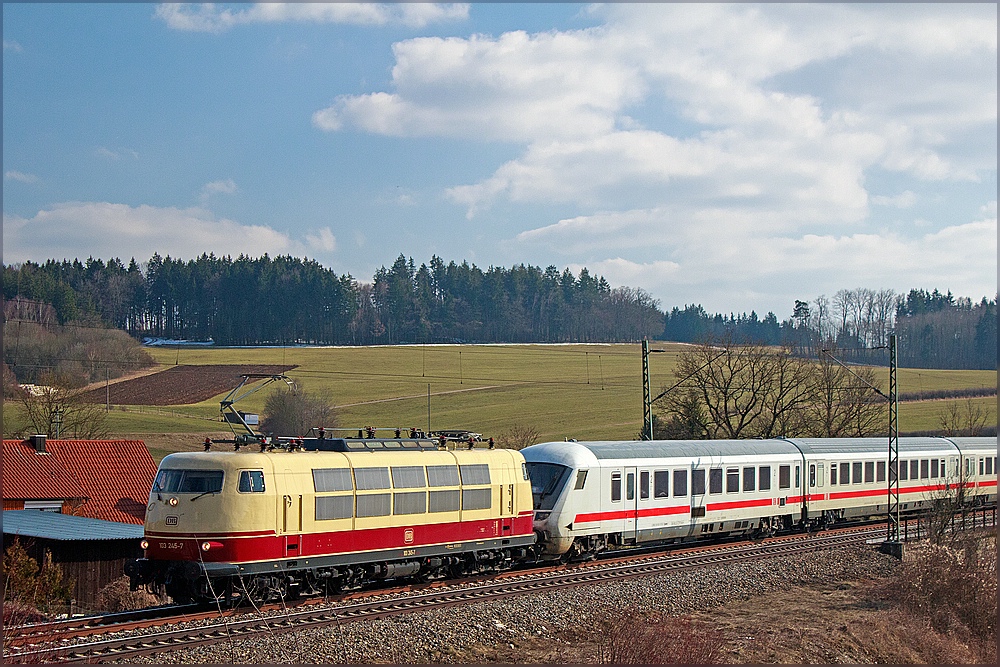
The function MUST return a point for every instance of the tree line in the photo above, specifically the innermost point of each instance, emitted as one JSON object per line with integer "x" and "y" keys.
{"x": 286, "y": 300}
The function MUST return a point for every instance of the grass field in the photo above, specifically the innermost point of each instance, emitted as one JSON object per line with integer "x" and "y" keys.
{"x": 562, "y": 391}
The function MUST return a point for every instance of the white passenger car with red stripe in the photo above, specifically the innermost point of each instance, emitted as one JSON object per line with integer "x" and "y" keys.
{"x": 320, "y": 515}
{"x": 589, "y": 496}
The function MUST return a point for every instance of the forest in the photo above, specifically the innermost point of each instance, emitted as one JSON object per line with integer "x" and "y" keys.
{"x": 286, "y": 300}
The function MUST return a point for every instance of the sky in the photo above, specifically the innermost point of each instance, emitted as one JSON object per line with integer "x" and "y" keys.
{"x": 735, "y": 156}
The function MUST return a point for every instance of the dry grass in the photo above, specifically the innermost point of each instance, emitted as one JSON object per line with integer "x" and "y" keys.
{"x": 116, "y": 596}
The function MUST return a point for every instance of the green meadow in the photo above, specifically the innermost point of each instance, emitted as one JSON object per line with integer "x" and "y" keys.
{"x": 591, "y": 391}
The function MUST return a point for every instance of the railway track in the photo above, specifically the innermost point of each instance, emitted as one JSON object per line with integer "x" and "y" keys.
{"x": 128, "y": 638}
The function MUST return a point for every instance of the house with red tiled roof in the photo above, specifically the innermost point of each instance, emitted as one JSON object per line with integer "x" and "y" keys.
{"x": 99, "y": 479}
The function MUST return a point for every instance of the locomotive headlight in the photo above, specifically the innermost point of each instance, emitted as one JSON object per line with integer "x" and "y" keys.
{"x": 542, "y": 516}
{"x": 205, "y": 546}
{"x": 144, "y": 544}
{"x": 172, "y": 502}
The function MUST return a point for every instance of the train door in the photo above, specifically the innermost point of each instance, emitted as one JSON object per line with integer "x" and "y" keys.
{"x": 631, "y": 505}
{"x": 697, "y": 492}
{"x": 290, "y": 513}
{"x": 643, "y": 501}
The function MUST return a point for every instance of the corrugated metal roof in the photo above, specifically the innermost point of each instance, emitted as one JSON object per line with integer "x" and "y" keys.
{"x": 113, "y": 475}
{"x": 64, "y": 527}
{"x": 643, "y": 449}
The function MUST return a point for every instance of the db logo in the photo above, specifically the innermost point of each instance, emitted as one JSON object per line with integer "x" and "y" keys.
{"x": 171, "y": 521}
{"x": 408, "y": 536}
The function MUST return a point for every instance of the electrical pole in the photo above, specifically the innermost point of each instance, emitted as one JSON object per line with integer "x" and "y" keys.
{"x": 647, "y": 406}
{"x": 892, "y": 543}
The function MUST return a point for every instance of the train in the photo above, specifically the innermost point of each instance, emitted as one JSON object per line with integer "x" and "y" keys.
{"x": 312, "y": 516}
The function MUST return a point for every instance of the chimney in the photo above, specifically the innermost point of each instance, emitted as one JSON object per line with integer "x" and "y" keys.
{"x": 39, "y": 442}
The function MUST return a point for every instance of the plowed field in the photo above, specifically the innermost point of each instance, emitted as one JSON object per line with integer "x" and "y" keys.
{"x": 179, "y": 385}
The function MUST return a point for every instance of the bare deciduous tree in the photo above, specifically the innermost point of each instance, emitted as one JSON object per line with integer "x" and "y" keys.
{"x": 955, "y": 421}
{"x": 293, "y": 412}
{"x": 517, "y": 436}
{"x": 56, "y": 410}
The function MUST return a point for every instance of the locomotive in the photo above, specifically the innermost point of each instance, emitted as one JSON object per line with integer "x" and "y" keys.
{"x": 322, "y": 515}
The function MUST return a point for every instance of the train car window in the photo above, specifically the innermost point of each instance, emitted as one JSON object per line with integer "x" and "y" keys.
{"x": 188, "y": 481}
{"x": 732, "y": 480}
{"x": 845, "y": 473}
{"x": 581, "y": 479}
{"x": 334, "y": 507}
{"x": 715, "y": 480}
{"x": 409, "y": 502}
{"x": 332, "y": 479}
{"x": 442, "y": 476}
{"x": 630, "y": 486}
{"x": 869, "y": 471}
{"x": 477, "y": 499}
{"x": 989, "y": 465}
{"x": 680, "y": 483}
{"x": 833, "y": 474}
{"x": 812, "y": 474}
{"x": 616, "y": 486}
{"x": 475, "y": 473}
{"x": 661, "y": 483}
{"x": 373, "y": 504}
{"x": 698, "y": 482}
{"x": 968, "y": 467}
{"x": 980, "y": 467}
{"x": 764, "y": 478}
{"x": 749, "y": 478}
{"x": 914, "y": 469}
{"x": 784, "y": 477}
{"x": 408, "y": 477}
{"x": 524, "y": 472}
{"x": 880, "y": 471}
{"x": 443, "y": 501}
{"x": 644, "y": 485}
{"x": 366, "y": 479}
{"x": 856, "y": 468}
{"x": 934, "y": 468}
{"x": 547, "y": 483}
{"x": 251, "y": 481}
{"x": 797, "y": 482}
{"x": 924, "y": 468}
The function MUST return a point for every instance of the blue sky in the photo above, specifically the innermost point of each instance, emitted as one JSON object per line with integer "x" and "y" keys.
{"x": 738, "y": 156}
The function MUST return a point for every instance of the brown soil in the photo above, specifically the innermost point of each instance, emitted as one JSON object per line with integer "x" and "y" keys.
{"x": 835, "y": 623}
{"x": 179, "y": 385}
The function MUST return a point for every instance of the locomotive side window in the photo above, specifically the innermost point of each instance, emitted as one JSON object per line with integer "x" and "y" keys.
{"x": 408, "y": 477}
{"x": 409, "y": 502}
{"x": 251, "y": 481}
{"x": 924, "y": 468}
{"x": 616, "y": 486}
{"x": 188, "y": 481}
{"x": 444, "y": 476}
{"x": 698, "y": 482}
{"x": 784, "y": 477}
{"x": 444, "y": 501}
{"x": 332, "y": 479}
{"x": 764, "y": 478}
{"x": 880, "y": 471}
{"x": 749, "y": 477}
{"x": 732, "y": 480}
{"x": 477, "y": 499}
{"x": 475, "y": 473}
{"x": 334, "y": 507}
{"x": 644, "y": 485}
{"x": 715, "y": 480}
{"x": 680, "y": 483}
{"x": 581, "y": 479}
{"x": 856, "y": 472}
{"x": 869, "y": 471}
{"x": 845, "y": 473}
{"x": 371, "y": 478}
{"x": 374, "y": 504}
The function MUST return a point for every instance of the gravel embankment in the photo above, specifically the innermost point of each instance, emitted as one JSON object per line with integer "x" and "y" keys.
{"x": 494, "y": 628}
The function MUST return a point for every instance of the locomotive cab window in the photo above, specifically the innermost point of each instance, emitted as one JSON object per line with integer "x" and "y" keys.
{"x": 188, "y": 481}
{"x": 251, "y": 481}
{"x": 581, "y": 479}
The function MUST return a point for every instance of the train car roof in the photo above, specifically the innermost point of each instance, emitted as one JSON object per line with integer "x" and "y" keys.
{"x": 652, "y": 449}
{"x": 818, "y": 446}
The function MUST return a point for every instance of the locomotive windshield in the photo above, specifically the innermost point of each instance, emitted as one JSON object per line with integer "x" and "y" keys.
{"x": 547, "y": 483}
{"x": 188, "y": 481}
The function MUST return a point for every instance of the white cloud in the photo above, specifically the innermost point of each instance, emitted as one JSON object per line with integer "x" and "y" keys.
{"x": 101, "y": 229}
{"x": 11, "y": 45}
{"x": 12, "y": 175}
{"x": 207, "y": 17}
{"x": 323, "y": 240}
{"x": 223, "y": 187}
{"x": 903, "y": 200}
